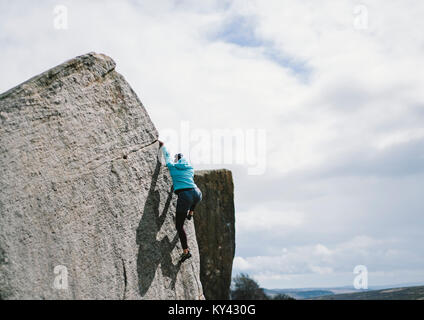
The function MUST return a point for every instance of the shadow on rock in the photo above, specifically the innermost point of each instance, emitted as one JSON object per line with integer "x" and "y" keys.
{"x": 152, "y": 252}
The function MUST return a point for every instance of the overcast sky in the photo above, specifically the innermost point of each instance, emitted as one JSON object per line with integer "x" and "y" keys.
{"x": 337, "y": 85}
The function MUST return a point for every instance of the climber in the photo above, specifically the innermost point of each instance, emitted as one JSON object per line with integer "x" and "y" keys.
{"x": 189, "y": 195}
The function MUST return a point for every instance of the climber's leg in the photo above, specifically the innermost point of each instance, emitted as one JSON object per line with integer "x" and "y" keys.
{"x": 181, "y": 215}
{"x": 179, "y": 224}
{"x": 183, "y": 204}
{"x": 197, "y": 197}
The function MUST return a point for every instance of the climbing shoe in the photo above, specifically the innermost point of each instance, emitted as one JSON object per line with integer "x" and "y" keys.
{"x": 189, "y": 216}
{"x": 185, "y": 256}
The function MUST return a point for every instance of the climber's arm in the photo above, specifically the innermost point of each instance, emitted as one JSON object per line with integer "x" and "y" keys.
{"x": 167, "y": 157}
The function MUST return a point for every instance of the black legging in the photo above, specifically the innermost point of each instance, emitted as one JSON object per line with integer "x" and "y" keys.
{"x": 187, "y": 200}
{"x": 179, "y": 224}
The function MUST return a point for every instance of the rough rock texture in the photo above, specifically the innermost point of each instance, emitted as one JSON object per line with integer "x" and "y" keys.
{"x": 81, "y": 186}
{"x": 215, "y": 231}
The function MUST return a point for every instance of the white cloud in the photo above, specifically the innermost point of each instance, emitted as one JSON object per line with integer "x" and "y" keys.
{"x": 399, "y": 137}
{"x": 240, "y": 264}
{"x": 322, "y": 250}
{"x": 262, "y": 219}
{"x": 338, "y": 261}
{"x": 321, "y": 270}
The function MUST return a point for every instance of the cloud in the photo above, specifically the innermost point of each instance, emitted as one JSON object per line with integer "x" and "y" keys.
{"x": 239, "y": 30}
{"x": 400, "y": 137}
{"x": 262, "y": 219}
{"x": 241, "y": 264}
{"x": 380, "y": 256}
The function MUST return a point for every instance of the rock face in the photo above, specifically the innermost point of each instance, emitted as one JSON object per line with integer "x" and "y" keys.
{"x": 215, "y": 231}
{"x": 86, "y": 208}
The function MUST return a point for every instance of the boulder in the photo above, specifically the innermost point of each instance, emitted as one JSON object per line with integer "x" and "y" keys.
{"x": 214, "y": 220}
{"x": 86, "y": 206}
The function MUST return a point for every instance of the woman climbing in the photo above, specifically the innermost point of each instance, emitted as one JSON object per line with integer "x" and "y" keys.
{"x": 189, "y": 195}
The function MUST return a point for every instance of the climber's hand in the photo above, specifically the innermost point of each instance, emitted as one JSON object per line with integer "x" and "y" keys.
{"x": 160, "y": 144}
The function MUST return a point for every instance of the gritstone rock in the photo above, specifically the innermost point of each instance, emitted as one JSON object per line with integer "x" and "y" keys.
{"x": 86, "y": 207}
{"x": 215, "y": 230}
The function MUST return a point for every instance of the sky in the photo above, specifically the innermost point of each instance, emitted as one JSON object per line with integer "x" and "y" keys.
{"x": 326, "y": 98}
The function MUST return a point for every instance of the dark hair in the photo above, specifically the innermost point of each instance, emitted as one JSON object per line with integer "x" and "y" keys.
{"x": 179, "y": 156}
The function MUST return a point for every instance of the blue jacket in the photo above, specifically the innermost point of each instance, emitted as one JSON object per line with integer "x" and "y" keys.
{"x": 182, "y": 172}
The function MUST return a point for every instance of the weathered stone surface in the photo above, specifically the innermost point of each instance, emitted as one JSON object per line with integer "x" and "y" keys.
{"x": 215, "y": 231}
{"x": 81, "y": 186}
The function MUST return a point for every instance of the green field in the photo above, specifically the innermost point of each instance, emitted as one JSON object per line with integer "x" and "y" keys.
{"x": 406, "y": 293}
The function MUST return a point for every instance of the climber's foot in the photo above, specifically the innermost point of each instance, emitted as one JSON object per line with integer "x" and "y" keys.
{"x": 190, "y": 215}
{"x": 185, "y": 256}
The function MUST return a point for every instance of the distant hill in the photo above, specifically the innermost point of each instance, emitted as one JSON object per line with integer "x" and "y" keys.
{"x": 307, "y": 293}
{"x": 405, "y": 293}
{"x": 329, "y": 292}
{"x": 299, "y": 293}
